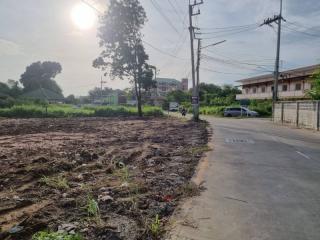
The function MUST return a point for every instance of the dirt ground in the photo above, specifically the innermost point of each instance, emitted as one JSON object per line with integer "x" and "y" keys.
{"x": 53, "y": 169}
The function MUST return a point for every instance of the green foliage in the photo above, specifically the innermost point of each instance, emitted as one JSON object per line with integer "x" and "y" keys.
{"x": 43, "y": 235}
{"x": 263, "y": 107}
{"x": 63, "y": 110}
{"x": 214, "y": 95}
{"x": 212, "y": 110}
{"x": 123, "y": 54}
{"x": 55, "y": 182}
{"x": 155, "y": 227}
{"x": 123, "y": 174}
{"x": 314, "y": 93}
{"x": 181, "y": 97}
{"x": 41, "y": 75}
{"x": 92, "y": 208}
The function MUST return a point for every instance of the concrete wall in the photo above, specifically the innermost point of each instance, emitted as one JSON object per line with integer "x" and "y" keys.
{"x": 304, "y": 114}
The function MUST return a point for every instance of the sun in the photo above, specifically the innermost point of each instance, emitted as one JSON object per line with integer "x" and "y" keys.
{"x": 83, "y": 16}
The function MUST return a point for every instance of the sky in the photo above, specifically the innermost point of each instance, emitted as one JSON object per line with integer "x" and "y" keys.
{"x": 33, "y": 30}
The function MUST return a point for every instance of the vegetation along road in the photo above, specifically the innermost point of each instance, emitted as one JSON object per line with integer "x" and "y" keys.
{"x": 262, "y": 180}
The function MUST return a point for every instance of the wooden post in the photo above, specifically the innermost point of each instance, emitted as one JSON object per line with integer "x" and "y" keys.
{"x": 297, "y": 114}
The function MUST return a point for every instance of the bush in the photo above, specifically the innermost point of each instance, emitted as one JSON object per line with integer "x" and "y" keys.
{"x": 55, "y": 236}
{"x": 65, "y": 111}
{"x": 6, "y": 102}
{"x": 212, "y": 110}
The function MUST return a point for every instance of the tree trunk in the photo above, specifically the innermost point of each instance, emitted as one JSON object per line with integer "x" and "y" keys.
{"x": 138, "y": 95}
{"x": 139, "y": 101}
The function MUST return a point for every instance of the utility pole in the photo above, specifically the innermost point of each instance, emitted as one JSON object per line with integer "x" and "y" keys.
{"x": 198, "y": 65}
{"x": 199, "y": 59}
{"x": 195, "y": 97}
{"x": 278, "y": 20}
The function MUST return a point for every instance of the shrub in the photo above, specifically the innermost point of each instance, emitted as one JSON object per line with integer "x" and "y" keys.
{"x": 55, "y": 236}
{"x": 64, "y": 110}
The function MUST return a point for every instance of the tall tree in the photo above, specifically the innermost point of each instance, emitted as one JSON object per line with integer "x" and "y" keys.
{"x": 123, "y": 54}
{"x": 41, "y": 75}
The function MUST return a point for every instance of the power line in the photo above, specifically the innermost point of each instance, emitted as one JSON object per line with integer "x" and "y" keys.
{"x": 158, "y": 8}
{"x": 176, "y": 11}
{"x": 231, "y": 27}
{"x": 232, "y": 33}
{"x": 226, "y": 73}
{"x": 163, "y": 52}
{"x": 234, "y": 63}
{"x": 302, "y": 32}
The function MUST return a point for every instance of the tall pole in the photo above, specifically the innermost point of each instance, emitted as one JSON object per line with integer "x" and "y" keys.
{"x": 194, "y": 90}
{"x": 195, "y": 96}
{"x": 277, "y": 64}
{"x": 198, "y": 65}
{"x": 277, "y": 19}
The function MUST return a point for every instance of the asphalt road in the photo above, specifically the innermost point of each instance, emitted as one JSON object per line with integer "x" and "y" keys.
{"x": 263, "y": 182}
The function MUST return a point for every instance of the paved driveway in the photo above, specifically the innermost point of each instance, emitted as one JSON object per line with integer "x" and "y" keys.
{"x": 263, "y": 182}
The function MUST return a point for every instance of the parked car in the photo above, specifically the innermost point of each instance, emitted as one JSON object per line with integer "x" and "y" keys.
{"x": 173, "y": 107}
{"x": 239, "y": 111}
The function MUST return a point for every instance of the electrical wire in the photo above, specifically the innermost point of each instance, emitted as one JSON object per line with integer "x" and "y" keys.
{"x": 232, "y": 33}
{"x": 302, "y": 32}
{"x": 163, "y": 52}
{"x": 164, "y": 16}
{"x": 230, "y": 27}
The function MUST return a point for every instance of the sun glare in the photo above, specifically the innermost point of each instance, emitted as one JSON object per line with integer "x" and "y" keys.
{"x": 83, "y": 16}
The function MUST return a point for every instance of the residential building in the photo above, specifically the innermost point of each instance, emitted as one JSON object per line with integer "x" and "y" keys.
{"x": 166, "y": 85}
{"x": 293, "y": 84}
{"x": 184, "y": 84}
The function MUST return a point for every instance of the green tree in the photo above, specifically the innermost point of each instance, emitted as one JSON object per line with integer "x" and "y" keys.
{"x": 41, "y": 75}
{"x": 71, "y": 99}
{"x": 123, "y": 54}
{"x": 314, "y": 93}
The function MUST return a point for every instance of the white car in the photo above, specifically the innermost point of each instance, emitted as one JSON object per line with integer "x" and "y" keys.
{"x": 239, "y": 111}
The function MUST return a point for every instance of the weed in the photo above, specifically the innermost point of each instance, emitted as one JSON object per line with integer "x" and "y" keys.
{"x": 43, "y": 235}
{"x": 92, "y": 208}
{"x": 199, "y": 149}
{"x": 123, "y": 174}
{"x": 55, "y": 182}
{"x": 155, "y": 227}
{"x": 190, "y": 189}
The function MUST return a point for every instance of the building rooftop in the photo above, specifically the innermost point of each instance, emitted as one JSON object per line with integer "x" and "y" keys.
{"x": 293, "y": 73}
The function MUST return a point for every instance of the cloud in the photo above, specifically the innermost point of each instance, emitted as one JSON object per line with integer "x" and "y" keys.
{"x": 298, "y": 7}
{"x": 8, "y": 48}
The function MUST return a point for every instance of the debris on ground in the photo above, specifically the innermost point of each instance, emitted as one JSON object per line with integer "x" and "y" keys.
{"x": 97, "y": 178}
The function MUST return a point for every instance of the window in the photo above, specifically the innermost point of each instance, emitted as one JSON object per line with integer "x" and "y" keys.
{"x": 284, "y": 88}
{"x": 263, "y": 89}
{"x": 247, "y": 90}
{"x": 254, "y": 90}
{"x": 298, "y": 87}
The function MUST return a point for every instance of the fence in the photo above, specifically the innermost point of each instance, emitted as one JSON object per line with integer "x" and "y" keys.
{"x": 302, "y": 114}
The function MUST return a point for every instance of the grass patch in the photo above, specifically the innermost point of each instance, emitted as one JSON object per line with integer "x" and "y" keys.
{"x": 92, "y": 208}
{"x": 43, "y": 235}
{"x": 190, "y": 190}
{"x": 55, "y": 182}
{"x": 66, "y": 111}
{"x": 199, "y": 150}
{"x": 155, "y": 227}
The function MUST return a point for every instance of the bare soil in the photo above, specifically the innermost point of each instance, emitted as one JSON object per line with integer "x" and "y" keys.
{"x": 134, "y": 168}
